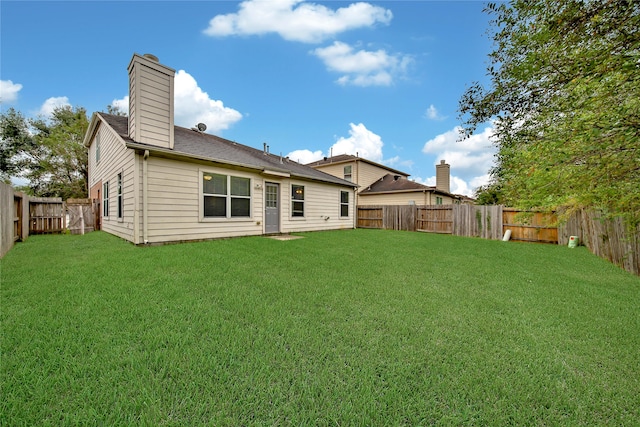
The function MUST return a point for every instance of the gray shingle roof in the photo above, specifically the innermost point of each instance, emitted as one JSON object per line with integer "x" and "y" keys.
{"x": 389, "y": 183}
{"x": 196, "y": 145}
{"x": 345, "y": 158}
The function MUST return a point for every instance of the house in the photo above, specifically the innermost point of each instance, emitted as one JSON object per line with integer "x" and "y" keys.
{"x": 156, "y": 182}
{"x": 382, "y": 185}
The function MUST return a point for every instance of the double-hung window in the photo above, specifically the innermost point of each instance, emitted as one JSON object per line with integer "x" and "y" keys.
{"x": 344, "y": 203}
{"x": 98, "y": 147}
{"x": 105, "y": 199}
{"x": 297, "y": 200}
{"x": 438, "y": 200}
{"x": 347, "y": 173}
{"x": 120, "y": 205}
{"x": 226, "y": 196}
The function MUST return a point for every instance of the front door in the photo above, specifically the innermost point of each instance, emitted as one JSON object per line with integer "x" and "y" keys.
{"x": 272, "y": 208}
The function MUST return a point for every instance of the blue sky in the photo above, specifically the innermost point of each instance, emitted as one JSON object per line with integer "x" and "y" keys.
{"x": 309, "y": 78}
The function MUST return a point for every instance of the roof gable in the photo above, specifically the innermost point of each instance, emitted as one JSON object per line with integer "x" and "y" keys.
{"x": 347, "y": 158}
{"x": 396, "y": 184}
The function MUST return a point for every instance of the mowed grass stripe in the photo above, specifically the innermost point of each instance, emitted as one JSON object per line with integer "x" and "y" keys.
{"x": 356, "y": 327}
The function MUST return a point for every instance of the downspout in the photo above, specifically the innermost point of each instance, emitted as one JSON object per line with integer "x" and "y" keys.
{"x": 145, "y": 191}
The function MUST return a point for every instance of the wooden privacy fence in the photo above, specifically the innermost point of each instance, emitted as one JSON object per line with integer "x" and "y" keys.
{"x": 82, "y": 218}
{"x": 46, "y": 215}
{"x": 459, "y": 220}
{"x": 527, "y": 226}
{"x": 611, "y": 239}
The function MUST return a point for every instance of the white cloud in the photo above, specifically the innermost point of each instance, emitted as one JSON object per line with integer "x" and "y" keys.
{"x": 192, "y": 106}
{"x": 362, "y": 67}
{"x": 122, "y": 104}
{"x": 305, "y": 156}
{"x": 361, "y": 141}
{"x": 457, "y": 185}
{"x": 432, "y": 113}
{"x": 470, "y": 158}
{"x": 295, "y": 20}
{"x": 52, "y": 103}
{"x": 9, "y": 91}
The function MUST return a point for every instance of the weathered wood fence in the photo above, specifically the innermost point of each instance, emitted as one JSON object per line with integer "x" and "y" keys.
{"x": 46, "y": 215}
{"x": 82, "y": 216}
{"x": 611, "y": 239}
{"x": 459, "y": 220}
{"x": 606, "y": 238}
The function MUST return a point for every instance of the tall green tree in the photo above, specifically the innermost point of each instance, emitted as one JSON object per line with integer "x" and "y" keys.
{"x": 48, "y": 153}
{"x": 564, "y": 98}
{"x": 15, "y": 138}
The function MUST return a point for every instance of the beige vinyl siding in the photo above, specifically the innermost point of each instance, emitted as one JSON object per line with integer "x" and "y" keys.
{"x": 338, "y": 170}
{"x": 154, "y": 110}
{"x": 368, "y": 174}
{"x": 115, "y": 158}
{"x": 133, "y": 111}
{"x": 174, "y": 203}
{"x": 151, "y": 103}
{"x": 321, "y": 208}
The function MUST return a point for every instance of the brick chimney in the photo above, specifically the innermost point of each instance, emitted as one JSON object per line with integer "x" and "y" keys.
{"x": 443, "y": 177}
{"x": 151, "y": 101}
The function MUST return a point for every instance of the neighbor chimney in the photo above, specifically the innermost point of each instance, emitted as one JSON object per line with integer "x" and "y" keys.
{"x": 442, "y": 176}
{"x": 151, "y": 101}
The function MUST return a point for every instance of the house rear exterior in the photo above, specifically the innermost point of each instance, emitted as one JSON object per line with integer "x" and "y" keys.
{"x": 156, "y": 182}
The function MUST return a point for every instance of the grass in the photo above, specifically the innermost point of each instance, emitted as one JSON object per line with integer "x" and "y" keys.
{"x": 357, "y": 327}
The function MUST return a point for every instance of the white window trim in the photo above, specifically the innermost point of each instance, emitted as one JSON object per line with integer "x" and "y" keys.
{"x": 120, "y": 196}
{"x": 105, "y": 199}
{"x": 303, "y": 201}
{"x": 348, "y": 216}
{"x": 97, "y": 147}
{"x": 228, "y": 218}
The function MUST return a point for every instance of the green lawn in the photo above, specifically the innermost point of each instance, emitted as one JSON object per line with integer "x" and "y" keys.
{"x": 356, "y": 327}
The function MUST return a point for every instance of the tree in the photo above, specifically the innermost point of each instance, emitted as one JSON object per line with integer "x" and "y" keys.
{"x": 564, "y": 98}
{"x": 14, "y": 138}
{"x": 116, "y": 110}
{"x": 49, "y": 154}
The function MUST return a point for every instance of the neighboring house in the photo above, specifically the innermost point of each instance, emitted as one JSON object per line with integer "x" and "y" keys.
{"x": 158, "y": 183}
{"x": 382, "y": 185}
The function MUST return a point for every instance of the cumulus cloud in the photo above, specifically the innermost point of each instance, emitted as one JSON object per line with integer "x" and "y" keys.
{"x": 432, "y": 113}
{"x": 9, "y": 91}
{"x": 295, "y": 20}
{"x": 362, "y": 67}
{"x": 121, "y": 104}
{"x": 51, "y": 104}
{"x": 361, "y": 141}
{"x": 192, "y": 105}
{"x": 305, "y": 156}
{"x": 470, "y": 158}
{"x": 456, "y": 185}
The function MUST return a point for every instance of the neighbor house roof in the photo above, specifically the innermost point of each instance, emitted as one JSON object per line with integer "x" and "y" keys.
{"x": 396, "y": 184}
{"x": 347, "y": 158}
{"x": 195, "y": 145}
